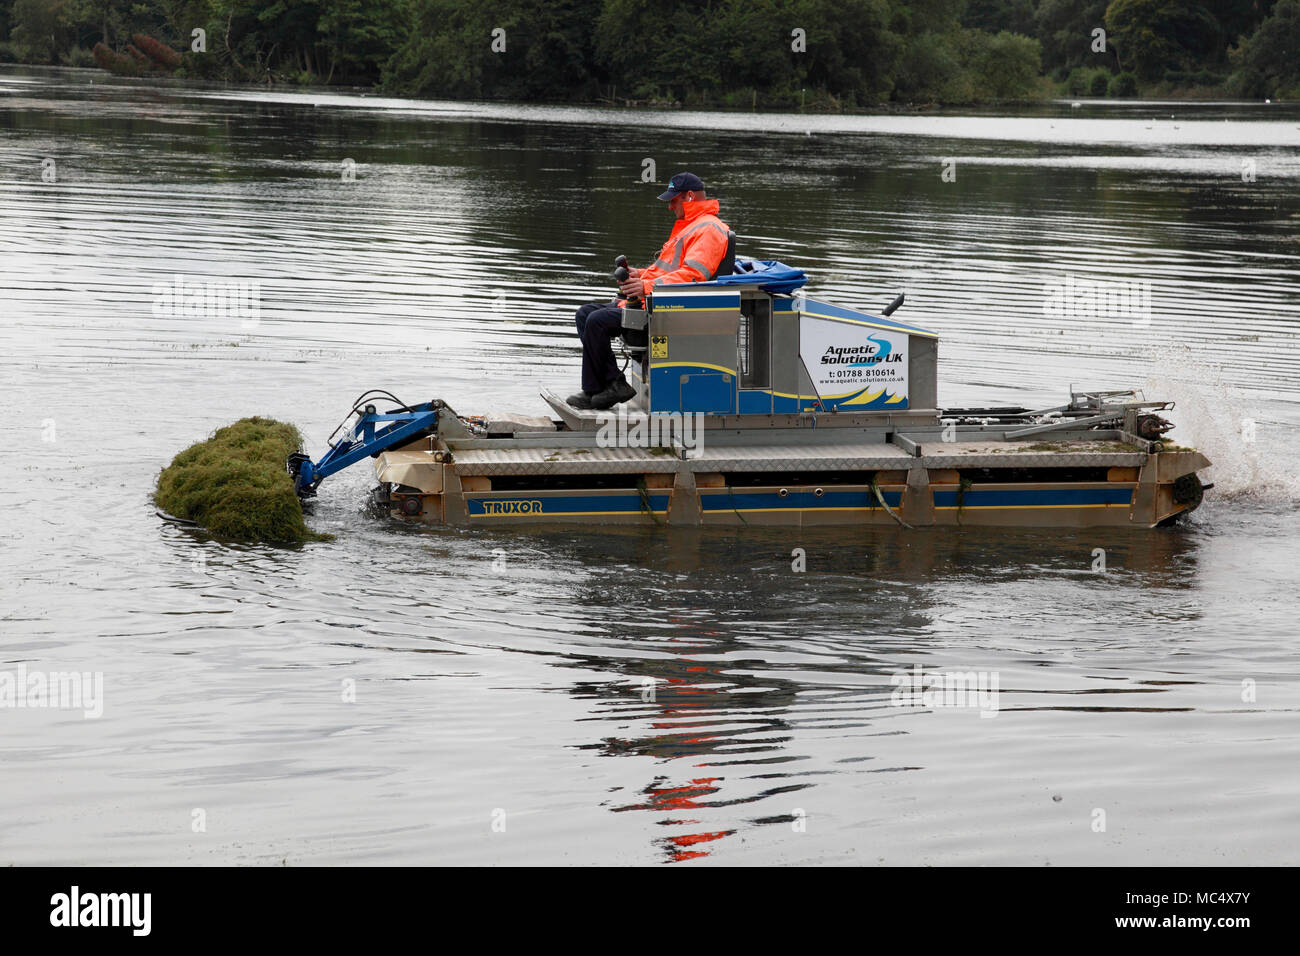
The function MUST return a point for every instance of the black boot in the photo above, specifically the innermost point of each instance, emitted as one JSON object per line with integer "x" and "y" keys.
{"x": 615, "y": 392}
{"x": 581, "y": 401}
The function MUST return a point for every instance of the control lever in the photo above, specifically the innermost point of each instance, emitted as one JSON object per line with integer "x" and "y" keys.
{"x": 620, "y": 274}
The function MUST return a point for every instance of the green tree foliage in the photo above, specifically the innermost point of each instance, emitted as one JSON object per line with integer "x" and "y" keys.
{"x": 305, "y": 40}
{"x": 112, "y": 22}
{"x": 641, "y": 54}
{"x": 994, "y": 16}
{"x": 1004, "y": 65}
{"x": 36, "y": 28}
{"x": 845, "y": 48}
{"x": 851, "y": 52}
{"x": 1065, "y": 28}
{"x": 324, "y": 40}
{"x": 1122, "y": 85}
{"x": 1088, "y": 81}
{"x": 1152, "y": 37}
{"x": 929, "y": 70}
{"x": 926, "y": 16}
{"x": 672, "y": 51}
{"x": 966, "y": 66}
{"x": 704, "y": 52}
{"x": 1241, "y": 18}
{"x": 544, "y": 52}
{"x": 1268, "y": 63}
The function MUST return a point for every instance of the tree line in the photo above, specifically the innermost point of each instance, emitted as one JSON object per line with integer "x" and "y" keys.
{"x": 814, "y": 54}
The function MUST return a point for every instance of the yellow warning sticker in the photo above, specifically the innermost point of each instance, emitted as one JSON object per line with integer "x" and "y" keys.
{"x": 658, "y": 346}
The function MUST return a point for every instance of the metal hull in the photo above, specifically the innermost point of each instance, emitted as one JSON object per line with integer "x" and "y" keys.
{"x": 593, "y": 508}
{"x": 831, "y": 476}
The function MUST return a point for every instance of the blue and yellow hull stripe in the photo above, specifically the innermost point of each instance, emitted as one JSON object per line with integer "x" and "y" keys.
{"x": 1117, "y": 497}
{"x": 722, "y": 501}
{"x": 565, "y": 505}
{"x": 714, "y": 501}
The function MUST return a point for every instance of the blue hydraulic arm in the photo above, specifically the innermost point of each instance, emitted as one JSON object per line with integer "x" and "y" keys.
{"x": 365, "y": 433}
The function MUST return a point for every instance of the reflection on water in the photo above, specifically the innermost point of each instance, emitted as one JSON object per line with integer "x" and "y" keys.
{"x": 632, "y": 695}
{"x": 724, "y": 708}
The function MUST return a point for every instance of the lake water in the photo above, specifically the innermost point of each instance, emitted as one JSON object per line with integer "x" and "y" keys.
{"x": 651, "y": 695}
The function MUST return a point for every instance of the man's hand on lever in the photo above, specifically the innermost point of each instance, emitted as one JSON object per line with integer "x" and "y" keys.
{"x": 631, "y": 286}
{"x": 628, "y": 278}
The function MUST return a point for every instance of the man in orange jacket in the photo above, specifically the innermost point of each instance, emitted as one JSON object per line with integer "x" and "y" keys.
{"x": 693, "y": 252}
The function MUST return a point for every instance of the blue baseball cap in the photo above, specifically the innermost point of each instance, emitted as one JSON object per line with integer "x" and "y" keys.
{"x": 682, "y": 183}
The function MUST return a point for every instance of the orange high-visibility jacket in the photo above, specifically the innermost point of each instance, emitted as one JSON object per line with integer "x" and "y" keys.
{"x": 694, "y": 250}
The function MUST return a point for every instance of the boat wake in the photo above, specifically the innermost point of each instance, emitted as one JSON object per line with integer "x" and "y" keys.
{"x": 1248, "y": 447}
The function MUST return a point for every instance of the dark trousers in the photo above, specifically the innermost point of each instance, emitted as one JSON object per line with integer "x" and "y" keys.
{"x": 598, "y": 322}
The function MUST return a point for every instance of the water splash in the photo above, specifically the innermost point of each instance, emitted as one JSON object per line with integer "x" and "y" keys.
{"x": 1226, "y": 424}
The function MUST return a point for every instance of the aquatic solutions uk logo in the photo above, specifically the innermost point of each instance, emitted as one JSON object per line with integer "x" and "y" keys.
{"x": 56, "y": 690}
{"x": 878, "y": 351}
{"x": 852, "y": 366}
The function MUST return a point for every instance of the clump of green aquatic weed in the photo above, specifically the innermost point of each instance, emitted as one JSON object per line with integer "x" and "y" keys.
{"x": 235, "y": 484}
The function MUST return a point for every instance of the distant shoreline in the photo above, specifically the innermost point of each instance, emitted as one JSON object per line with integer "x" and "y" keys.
{"x": 1191, "y": 96}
